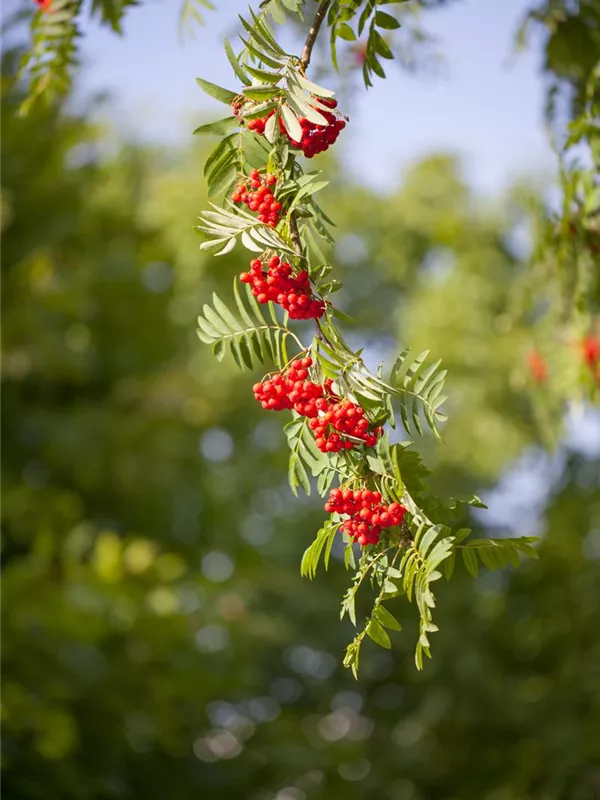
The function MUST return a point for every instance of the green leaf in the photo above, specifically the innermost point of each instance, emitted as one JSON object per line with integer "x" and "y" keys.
{"x": 344, "y": 31}
{"x": 271, "y": 133}
{"x": 349, "y": 605}
{"x": 222, "y": 158}
{"x": 381, "y": 46}
{"x": 417, "y": 385}
{"x": 250, "y": 337}
{"x": 313, "y": 88}
{"x": 223, "y": 181}
{"x": 300, "y": 105}
{"x": 262, "y": 38}
{"x": 383, "y": 20}
{"x": 292, "y": 125}
{"x": 259, "y": 111}
{"x": 374, "y": 64}
{"x": 341, "y": 315}
{"x": 438, "y": 554}
{"x": 352, "y": 655}
{"x": 377, "y": 633}
{"x": 235, "y": 64}
{"x": 349, "y": 561}
{"x": 264, "y": 75}
{"x": 261, "y": 25}
{"x": 269, "y": 61}
{"x": 387, "y": 619}
{"x": 449, "y": 565}
{"x": 470, "y": 560}
{"x": 276, "y": 12}
{"x": 297, "y": 475}
{"x": 376, "y": 465}
{"x": 496, "y": 553}
{"x": 312, "y": 554}
{"x": 218, "y": 128}
{"x": 261, "y": 93}
{"x": 211, "y": 89}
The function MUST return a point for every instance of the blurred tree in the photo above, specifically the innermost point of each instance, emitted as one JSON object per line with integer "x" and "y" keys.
{"x": 158, "y": 640}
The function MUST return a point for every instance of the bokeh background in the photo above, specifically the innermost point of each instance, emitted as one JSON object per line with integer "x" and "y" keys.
{"x": 158, "y": 640}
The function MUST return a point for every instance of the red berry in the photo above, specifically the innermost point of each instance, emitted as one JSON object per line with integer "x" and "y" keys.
{"x": 591, "y": 350}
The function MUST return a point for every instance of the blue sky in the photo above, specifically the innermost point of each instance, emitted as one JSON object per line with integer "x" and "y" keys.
{"x": 485, "y": 103}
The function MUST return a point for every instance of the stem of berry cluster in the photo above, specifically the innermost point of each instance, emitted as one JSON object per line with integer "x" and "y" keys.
{"x": 295, "y": 235}
{"x": 304, "y": 62}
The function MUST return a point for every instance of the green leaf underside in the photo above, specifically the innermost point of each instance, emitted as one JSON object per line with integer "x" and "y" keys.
{"x": 217, "y": 92}
{"x": 250, "y": 336}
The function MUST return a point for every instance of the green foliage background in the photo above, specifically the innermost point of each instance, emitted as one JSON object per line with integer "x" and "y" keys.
{"x": 158, "y": 640}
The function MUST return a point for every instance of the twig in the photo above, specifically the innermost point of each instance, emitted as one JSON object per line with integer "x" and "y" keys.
{"x": 295, "y": 235}
{"x": 313, "y": 33}
{"x": 304, "y": 62}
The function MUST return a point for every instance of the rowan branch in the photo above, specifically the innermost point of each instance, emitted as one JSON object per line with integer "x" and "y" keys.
{"x": 295, "y": 235}
{"x": 304, "y": 62}
{"x": 313, "y": 33}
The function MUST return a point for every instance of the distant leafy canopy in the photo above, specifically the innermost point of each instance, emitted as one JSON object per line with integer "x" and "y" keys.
{"x": 49, "y": 64}
{"x": 571, "y": 48}
{"x": 398, "y": 538}
{"x": 351, "y": 21}
{"x": 558, "y": 297}
{"x": 192, "y": 13}
{"x": 49, "y": 61}
{"x": 341, "y": 408}
{"x": 109, "y": 516}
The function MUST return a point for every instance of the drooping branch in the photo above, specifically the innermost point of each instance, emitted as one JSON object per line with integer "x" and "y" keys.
{"x": 304, "y": 62}
{"x": 313, "y": 33}
{"x": 340, "y": 408}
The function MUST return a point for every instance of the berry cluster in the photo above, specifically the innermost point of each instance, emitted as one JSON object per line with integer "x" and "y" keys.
{"x": 237, "y": 106}
{"x": 260, "y": 198}
{"x": 590, "y": 353}
{"x": 317, "y": 138}
{"x": 332, "y": 420}
{"x": 359, "y": 53}
{"x": 291, "y": 390}
{"x": 590, "y": 347}
{"x": 279, "y": 285}
{"x": 368, "y": 517}
{"x": 341, "y": 419}
{"x": 258, "y": 125}
{"x": 537, "y": 366}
